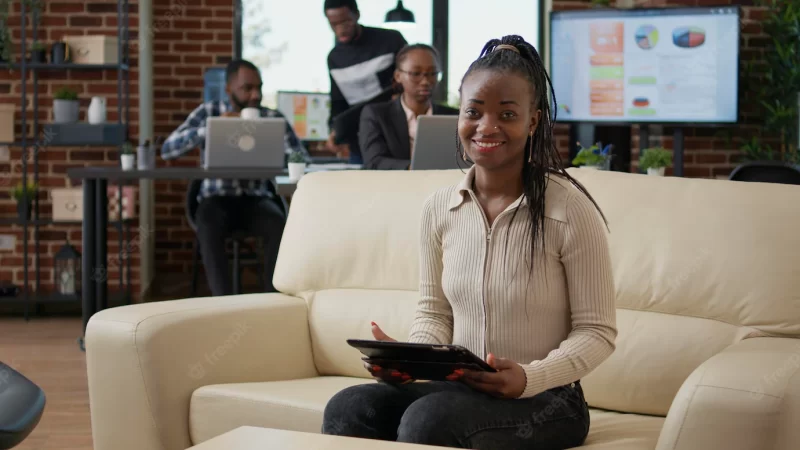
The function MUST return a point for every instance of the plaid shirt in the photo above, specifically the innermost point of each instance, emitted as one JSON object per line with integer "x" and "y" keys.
{"x": 192, "y": 134}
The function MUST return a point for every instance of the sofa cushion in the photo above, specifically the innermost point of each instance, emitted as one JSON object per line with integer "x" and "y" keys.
{"x": 289, "y": 405}
{"x": 298, "y": 405}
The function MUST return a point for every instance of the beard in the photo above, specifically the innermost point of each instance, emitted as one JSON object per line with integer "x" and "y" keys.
{"x": 240, "y": 105}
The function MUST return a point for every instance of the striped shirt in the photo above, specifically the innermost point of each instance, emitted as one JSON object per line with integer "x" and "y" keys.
{"x": 191, "y": 134}
{"x": 557, "y": 321}
{"x": 360, "y": 70}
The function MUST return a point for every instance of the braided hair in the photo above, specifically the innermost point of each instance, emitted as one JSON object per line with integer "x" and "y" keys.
{"x": 516, "y": 56}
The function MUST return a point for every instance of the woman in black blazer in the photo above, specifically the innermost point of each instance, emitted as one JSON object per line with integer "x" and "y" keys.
{"x": 386, "y": 131}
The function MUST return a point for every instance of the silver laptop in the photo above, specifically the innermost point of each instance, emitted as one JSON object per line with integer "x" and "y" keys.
{"x": 235, "y": 142}
{"x": 435, "y": 144}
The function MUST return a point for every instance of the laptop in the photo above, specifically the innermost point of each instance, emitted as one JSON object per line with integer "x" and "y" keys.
{"x": 435, "y": 144}
{"x": 233, "y": 142}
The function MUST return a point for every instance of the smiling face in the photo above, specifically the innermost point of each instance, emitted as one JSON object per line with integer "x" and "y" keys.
{"x": 497, "y": 116}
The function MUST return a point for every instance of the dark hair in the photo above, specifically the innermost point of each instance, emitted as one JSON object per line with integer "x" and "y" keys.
{"x": 333, "y": 4}
{"x": 403, "y": 53}
{"x": 234, "y": 67}
{"x": 541, "y": 155}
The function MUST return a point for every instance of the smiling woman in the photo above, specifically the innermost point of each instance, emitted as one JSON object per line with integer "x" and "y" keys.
{"x": 538, "y": 306}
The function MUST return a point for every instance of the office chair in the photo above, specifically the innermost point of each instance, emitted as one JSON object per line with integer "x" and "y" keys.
{"x": 21, "y": 407}
{"x": 249, "y": 258}
{"x": 767, "y": 172}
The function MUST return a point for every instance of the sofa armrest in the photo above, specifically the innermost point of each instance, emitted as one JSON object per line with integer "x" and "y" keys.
{"x": 745, "y": 397}
{"x": 144, "y": 361}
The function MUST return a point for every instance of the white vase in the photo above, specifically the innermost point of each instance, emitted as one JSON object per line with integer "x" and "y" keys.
{"x": 128, "y": 161}
{"x": 97, "y": 110}
{"x": 296, "y": 171}
{"x": 659, "y": 171}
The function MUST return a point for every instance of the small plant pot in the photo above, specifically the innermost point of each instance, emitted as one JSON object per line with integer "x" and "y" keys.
{"x": 24, "y": 211}
{"x": 296, "y": 171}
{"x": 128, "y": 161}
{"x": 656, "y": 171}
{"x": 65, "y": 111}
{"x": 39, "y": 56}
{"x": 58, "y": 53}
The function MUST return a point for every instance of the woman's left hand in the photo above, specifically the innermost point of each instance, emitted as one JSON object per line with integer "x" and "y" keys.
{"x": 508, "y": 382}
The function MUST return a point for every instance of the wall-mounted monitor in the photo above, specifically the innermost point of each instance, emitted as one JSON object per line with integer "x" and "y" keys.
{"x": 307, "y": 112}
{"x": 668, "y": 65}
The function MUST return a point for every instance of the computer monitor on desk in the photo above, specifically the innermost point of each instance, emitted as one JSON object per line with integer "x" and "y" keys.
{"x": 435, "y": 144}
{"x": 307, "y": 112}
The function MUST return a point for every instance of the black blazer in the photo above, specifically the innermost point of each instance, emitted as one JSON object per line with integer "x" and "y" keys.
{"x": 383, "y": 135}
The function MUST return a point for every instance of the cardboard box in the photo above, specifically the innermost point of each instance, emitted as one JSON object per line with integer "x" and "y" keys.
{"x": 7, "y": 122}
{"x": 93, "y": 49}
{"x": 68, "y": 203}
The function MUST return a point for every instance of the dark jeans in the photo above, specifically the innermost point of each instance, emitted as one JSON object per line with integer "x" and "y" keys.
{"x": 219, "y": 217}
{"x": 451, "y": 414}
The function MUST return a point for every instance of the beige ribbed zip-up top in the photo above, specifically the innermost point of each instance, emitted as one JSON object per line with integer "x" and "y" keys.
{"x": 558, "y": 323}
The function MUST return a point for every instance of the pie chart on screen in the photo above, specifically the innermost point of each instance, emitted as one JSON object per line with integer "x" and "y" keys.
{"x": 688, "y": 37}
{"x": 646, "y": 37}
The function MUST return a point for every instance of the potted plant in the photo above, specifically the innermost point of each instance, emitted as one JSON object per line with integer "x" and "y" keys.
{"x": 5, "y": 32}
{"x": 655, "y": 160}
{"x": 39, "y": 53}
{"x": 24, "y": 198}
{"x": 772, "y": 85}
{"x": 595, "y": 157}
{"x": 127, "y": 157}
{"x": 297, "y": 165}
{"x": 65, "y": 106}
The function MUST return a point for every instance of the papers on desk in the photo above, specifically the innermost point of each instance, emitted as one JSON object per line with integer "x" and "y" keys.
{"x": 332, "y": 166}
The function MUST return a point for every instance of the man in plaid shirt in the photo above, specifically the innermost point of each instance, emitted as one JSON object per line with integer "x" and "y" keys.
{"x": 228, "y": 206}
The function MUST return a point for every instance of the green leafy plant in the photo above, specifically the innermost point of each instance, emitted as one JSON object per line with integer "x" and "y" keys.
{"x": 20, "y": 193}
{"x": 34, "y": 8}
{"x": 5, "y": 31}
{"x": 773, "y": 84}
{"x": 39, "y": 46}
{"x": 654, "y": 158}
{"x": 297, "y": 157}
{"x": 596, "y": 155}
{"x": 601, "y": 2}
{"x": 127, "y": 148}
{"x": 66, "y": 93}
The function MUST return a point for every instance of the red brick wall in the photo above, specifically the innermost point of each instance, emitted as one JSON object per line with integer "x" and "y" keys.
{"x": 707, "y": 152}
{"x": 188, "y": 37}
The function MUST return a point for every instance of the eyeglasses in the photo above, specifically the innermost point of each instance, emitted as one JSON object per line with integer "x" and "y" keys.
{"x": 418, "y": 75}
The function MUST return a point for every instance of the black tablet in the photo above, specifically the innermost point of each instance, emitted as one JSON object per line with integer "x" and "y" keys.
{"x": 421, "y": 361}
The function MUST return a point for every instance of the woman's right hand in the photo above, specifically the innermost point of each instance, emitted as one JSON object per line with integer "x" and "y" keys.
{"x": 387, "y": 375}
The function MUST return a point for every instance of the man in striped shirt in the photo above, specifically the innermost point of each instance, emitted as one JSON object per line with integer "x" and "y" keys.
{"x": 229, "y": 206}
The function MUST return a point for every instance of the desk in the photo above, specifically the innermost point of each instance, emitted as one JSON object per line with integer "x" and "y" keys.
{"x": 94, "y": 286}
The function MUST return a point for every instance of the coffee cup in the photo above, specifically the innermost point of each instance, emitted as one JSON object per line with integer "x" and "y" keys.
{"x": 250, "y": 113}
